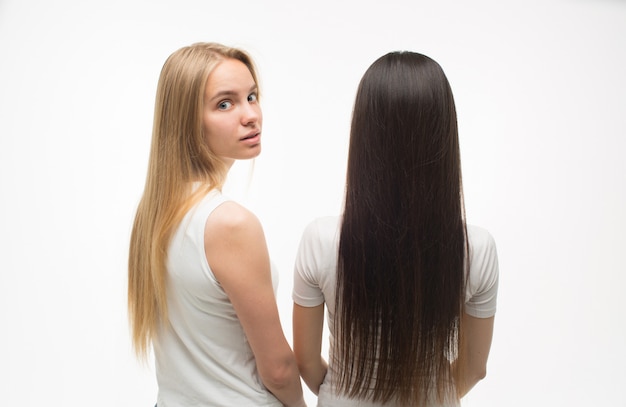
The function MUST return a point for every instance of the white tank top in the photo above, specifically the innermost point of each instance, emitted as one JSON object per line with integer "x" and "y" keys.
{"x": 202, "y": 355}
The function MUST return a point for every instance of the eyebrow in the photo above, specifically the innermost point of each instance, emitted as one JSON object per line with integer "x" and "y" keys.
{"x": 224, "y": 93}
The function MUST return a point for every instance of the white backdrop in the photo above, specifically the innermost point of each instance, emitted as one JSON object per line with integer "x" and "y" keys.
{"x": 540, "y": 88}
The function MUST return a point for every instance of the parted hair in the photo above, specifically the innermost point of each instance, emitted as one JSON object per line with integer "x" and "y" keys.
{"x": 179, "y": 159}
{"x": 403, "y": 245}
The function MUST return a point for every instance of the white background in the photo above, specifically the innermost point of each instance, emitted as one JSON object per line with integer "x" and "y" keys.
{"x": 540, "y": 88}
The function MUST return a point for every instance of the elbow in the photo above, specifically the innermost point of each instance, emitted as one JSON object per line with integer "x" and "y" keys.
{"x": 470, "y": 379}
{"x": 281, "y": 375}
{"x": 479, "y": 374}
{"x": 306, "y": 372}
{"x": 313, "y": 373}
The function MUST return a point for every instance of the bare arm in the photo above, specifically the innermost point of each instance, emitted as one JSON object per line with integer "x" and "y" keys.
{"x": 237, "y": 253}
{"x": 308, "y": 324}
{"x": 477, "y": 334}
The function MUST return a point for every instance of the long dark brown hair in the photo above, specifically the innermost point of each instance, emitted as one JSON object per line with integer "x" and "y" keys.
{"x": 401, "y": 272}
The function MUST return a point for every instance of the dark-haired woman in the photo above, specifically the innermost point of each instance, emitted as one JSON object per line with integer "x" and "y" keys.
{"x": 409, "y": 288}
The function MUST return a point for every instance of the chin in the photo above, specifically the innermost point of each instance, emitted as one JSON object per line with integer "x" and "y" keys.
{"x": 255, "y": 151}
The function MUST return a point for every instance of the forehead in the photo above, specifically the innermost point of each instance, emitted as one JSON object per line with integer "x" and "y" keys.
{"x": 230, "y": 75}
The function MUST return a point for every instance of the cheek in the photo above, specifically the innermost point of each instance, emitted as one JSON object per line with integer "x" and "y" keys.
{"x": 208, "y": 129}
{"x": 205, "y": 124}
{"x": 215, "y": 133}
{"x": 210, "y": 126}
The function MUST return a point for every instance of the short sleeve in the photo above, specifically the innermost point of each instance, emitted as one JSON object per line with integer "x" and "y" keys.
{"x": 306, "y": 284}
{"x": 482, "y": 288}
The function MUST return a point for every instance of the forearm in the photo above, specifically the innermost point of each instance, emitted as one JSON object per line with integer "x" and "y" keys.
{"x": 308, "y": 324}
{"x": 313, "y": 374}
{"x": 472, "y": 361}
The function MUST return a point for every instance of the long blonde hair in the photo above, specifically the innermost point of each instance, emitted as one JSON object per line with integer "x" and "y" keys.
{"x": 179, "y": 157}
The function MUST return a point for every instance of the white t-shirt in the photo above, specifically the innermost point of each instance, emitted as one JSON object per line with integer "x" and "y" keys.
{"x": 202, "y": 356}
{"x": 315, "y": 279}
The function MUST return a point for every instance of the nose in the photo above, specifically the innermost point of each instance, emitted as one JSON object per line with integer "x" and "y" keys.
{"x": 251, "y": 114}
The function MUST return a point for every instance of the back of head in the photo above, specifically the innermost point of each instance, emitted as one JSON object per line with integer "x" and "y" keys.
{"x": 402, "y": 245}
{"x": 404, "y": 123}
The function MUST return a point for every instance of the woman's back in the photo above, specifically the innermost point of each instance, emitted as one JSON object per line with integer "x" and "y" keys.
{"x": 402, "y": 258}
{"x": 315, "y": 283}
{"x": 203, "y": 354}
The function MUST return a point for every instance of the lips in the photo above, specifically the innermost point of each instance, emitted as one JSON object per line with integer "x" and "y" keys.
{"x": 252, "y": 135}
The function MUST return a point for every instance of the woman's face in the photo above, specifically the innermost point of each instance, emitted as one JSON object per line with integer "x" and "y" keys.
{"x": 232, "y": 117}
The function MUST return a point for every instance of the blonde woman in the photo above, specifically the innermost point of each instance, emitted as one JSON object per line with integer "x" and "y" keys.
{"x": 201, "y": 289}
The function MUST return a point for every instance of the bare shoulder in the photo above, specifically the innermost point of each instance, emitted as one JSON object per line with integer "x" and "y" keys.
{"x": 233, "y": 237}
{"x": 230, "y": 217}
{"x": 235, "y": 248}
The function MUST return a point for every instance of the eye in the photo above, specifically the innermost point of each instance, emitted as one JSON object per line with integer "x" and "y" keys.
{"x": 223, "y": 105}
{"x": 252, "y": 97}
